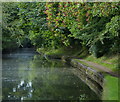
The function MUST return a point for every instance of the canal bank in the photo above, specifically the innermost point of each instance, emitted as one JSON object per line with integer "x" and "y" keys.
{"x": 106, "y": 78}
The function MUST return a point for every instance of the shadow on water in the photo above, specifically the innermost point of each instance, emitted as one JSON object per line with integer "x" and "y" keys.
{"x": 29, "y": 77}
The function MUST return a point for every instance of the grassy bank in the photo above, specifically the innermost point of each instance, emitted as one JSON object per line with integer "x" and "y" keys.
{"x": 111, "y": 88}
{"x": 108, "y": 61}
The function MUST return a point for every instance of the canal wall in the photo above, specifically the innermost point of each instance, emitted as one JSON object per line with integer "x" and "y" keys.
{"x": 88, "y": 71}
{"x": 90, "y": 76}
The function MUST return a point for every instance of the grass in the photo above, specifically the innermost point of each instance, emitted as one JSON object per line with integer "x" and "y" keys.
{"x": 111, "y": 88}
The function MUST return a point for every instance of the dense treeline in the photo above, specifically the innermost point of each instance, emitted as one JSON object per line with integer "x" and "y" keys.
{"x": 54, "y": 25}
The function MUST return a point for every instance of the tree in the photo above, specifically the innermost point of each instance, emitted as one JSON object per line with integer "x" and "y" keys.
{"x": 9, "y": 16}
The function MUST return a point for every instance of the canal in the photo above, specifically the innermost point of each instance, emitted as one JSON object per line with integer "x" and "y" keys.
{"x": 27, "y": 75}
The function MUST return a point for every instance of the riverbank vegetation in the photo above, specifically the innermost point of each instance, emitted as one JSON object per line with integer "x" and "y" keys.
{"x": 80, "y": 30}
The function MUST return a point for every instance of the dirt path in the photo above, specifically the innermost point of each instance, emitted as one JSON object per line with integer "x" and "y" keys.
{"x": 102, "y": 68}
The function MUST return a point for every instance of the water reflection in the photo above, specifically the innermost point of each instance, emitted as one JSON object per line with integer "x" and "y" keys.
{"x": 27, "y": 76}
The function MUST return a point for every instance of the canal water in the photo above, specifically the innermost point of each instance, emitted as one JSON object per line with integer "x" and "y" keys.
{"x": 27, "y": 75}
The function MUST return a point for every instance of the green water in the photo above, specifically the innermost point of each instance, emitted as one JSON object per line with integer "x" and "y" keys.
{"x": 29, "y": 76}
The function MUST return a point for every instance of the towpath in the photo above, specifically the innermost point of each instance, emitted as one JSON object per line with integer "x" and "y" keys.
{"x": 101, "y": 68}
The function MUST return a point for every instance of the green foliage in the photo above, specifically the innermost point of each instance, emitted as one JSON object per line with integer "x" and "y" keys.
{"x": 95, "y": 25}
{"x": 9, "y": 16}
{"x": 59, "y": 24}
{"x": 32, "y": 21}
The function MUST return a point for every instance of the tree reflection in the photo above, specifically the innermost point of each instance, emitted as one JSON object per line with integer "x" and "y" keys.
{"x": 42, "y": 79}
